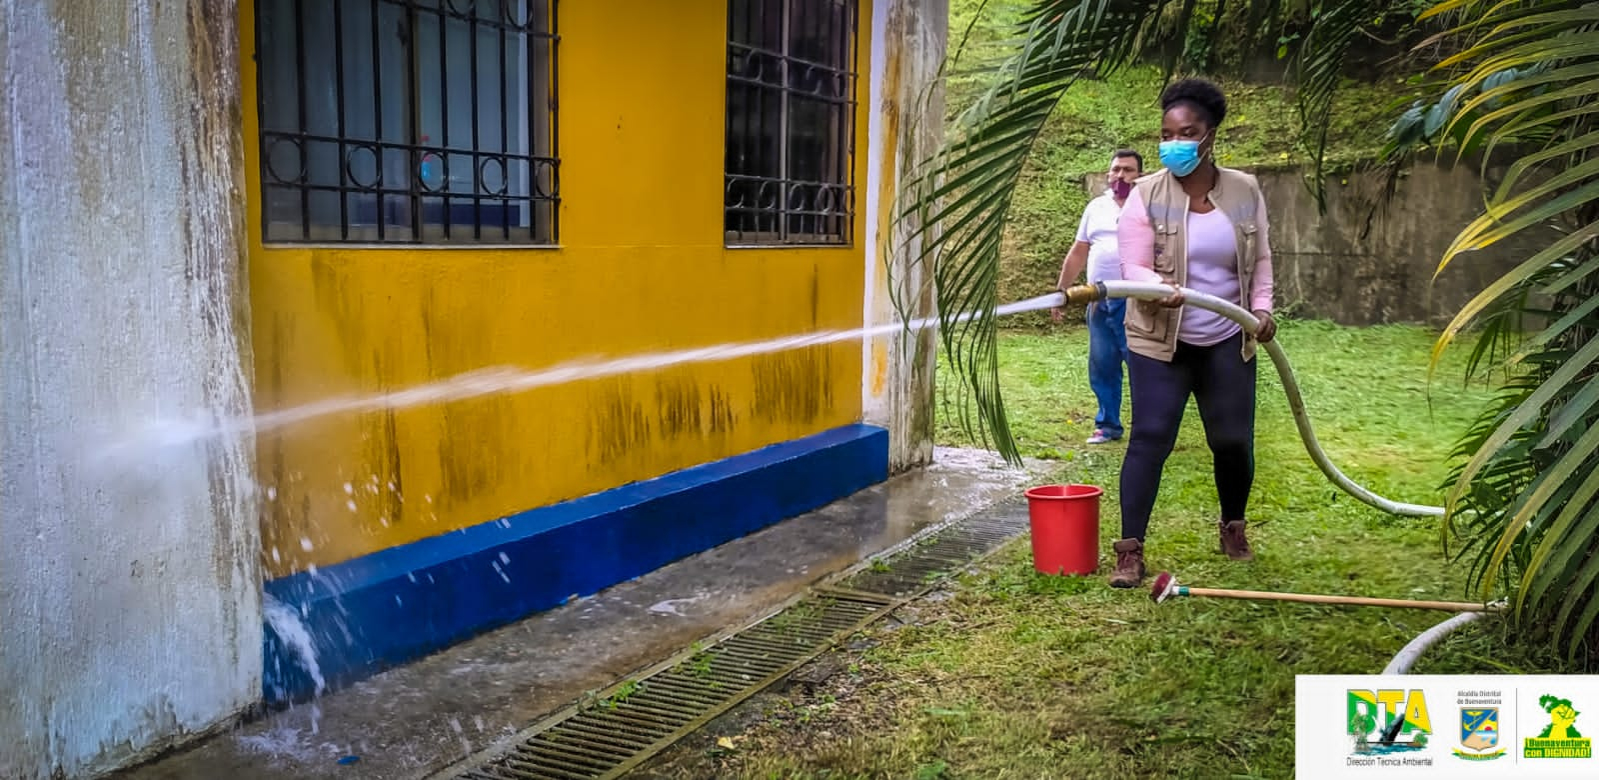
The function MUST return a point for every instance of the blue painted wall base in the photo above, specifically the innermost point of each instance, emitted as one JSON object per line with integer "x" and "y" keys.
{"x": 396, "y": 605}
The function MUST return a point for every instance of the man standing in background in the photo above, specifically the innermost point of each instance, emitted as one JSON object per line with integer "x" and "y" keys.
{"x": 1096, "y": 248}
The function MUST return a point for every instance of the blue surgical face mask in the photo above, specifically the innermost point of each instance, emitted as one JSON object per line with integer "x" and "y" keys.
{"x": 1182, "y": 157}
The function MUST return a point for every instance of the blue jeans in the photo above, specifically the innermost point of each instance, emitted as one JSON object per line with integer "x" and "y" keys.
{"x": 1107, "y": 351}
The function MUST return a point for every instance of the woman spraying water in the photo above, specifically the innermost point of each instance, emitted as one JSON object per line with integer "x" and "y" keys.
{"x": 1200, "y": 226}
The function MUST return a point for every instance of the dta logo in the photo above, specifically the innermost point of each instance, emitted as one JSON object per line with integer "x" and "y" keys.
{"x": 1388, "y": 721}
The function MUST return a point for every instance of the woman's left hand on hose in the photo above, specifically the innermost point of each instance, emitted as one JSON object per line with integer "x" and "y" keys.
{"x": 1268, "y": 327}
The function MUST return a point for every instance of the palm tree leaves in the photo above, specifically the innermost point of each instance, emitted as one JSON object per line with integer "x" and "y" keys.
{"x": 962, "y": 197}
{"x": 1320, "y": 67}
{"x": 1525, "y": 503}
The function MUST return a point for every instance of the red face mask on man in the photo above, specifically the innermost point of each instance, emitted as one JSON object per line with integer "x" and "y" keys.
{"x": 1121, "y": 188}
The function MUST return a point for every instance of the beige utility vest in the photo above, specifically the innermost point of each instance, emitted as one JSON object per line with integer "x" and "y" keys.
{"x": 1152, "y": 328}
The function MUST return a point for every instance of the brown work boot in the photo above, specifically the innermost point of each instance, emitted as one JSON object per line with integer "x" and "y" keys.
{"x": 1233, "y": 542}
{"x": 1129, "y": 564}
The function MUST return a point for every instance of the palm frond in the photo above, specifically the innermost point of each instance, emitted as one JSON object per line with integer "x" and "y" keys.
{"x": 1470, "y": 314}
{"x": 1320, "y": 67}
{"x": 962, "y": 197}
{"x": 1524, "y": 500}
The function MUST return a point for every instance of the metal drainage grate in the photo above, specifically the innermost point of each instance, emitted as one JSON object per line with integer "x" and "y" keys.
{"x": 637, "y": 719}
{"x": 915, "y": 568}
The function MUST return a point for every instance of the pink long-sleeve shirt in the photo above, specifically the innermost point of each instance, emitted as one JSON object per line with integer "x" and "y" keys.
{"x": 1212, "y": 264}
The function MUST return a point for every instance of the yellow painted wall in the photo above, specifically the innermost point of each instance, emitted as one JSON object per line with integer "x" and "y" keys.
{"x": 641, "y": 268}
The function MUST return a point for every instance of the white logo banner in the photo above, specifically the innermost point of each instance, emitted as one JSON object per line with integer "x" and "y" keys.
{"x": 1499, "y": 726}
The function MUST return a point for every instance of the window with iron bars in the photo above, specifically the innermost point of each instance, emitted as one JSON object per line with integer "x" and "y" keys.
{"x": 407, "y": 121}
{"x": 791, "y": 71}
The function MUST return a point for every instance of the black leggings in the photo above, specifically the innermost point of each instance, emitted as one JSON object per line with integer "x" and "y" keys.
{"x": 1223, "y": 386}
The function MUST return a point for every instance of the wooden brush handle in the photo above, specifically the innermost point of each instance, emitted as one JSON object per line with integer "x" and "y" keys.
{"x": 1358, "y": 601}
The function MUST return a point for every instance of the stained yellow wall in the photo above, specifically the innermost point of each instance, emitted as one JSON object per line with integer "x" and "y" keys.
{"x": 641, "y": 268}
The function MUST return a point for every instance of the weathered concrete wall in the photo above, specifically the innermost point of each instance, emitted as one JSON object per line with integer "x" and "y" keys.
{"x": 1367, "y": 261}
{"x": 129, "y": 588}
{"x": 905, "y": 125}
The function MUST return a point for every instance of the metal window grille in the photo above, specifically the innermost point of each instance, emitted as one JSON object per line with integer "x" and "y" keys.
{"x": 407, "y": 121}
{"x": 791, "y": 71}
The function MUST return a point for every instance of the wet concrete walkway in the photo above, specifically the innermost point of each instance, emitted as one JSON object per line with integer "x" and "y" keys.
{"x": 423, "y": 716}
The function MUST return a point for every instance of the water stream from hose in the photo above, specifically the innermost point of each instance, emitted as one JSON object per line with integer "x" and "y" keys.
{"x": 509, "y": 379}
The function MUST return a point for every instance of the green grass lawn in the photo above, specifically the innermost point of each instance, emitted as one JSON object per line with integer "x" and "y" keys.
{"x": 1014, "y": 674}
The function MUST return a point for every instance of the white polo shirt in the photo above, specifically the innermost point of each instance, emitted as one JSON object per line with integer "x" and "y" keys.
{"x": 1098, "y": 229}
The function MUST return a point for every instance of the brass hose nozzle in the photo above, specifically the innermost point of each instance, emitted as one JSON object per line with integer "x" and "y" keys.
{"x": 1084, "y": 293}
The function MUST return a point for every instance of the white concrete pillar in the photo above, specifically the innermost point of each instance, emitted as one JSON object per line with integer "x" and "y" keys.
{"x": 905, "y": 127}
{"x": 130, "y": 610}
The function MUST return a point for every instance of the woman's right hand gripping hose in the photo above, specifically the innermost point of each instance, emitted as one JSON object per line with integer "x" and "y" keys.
{"x": 1268, "y": 326}
{"x": 1174, "y": 300}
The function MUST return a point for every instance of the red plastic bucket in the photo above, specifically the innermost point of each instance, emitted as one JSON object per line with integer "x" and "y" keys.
{"x": 1065, "y": 524}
